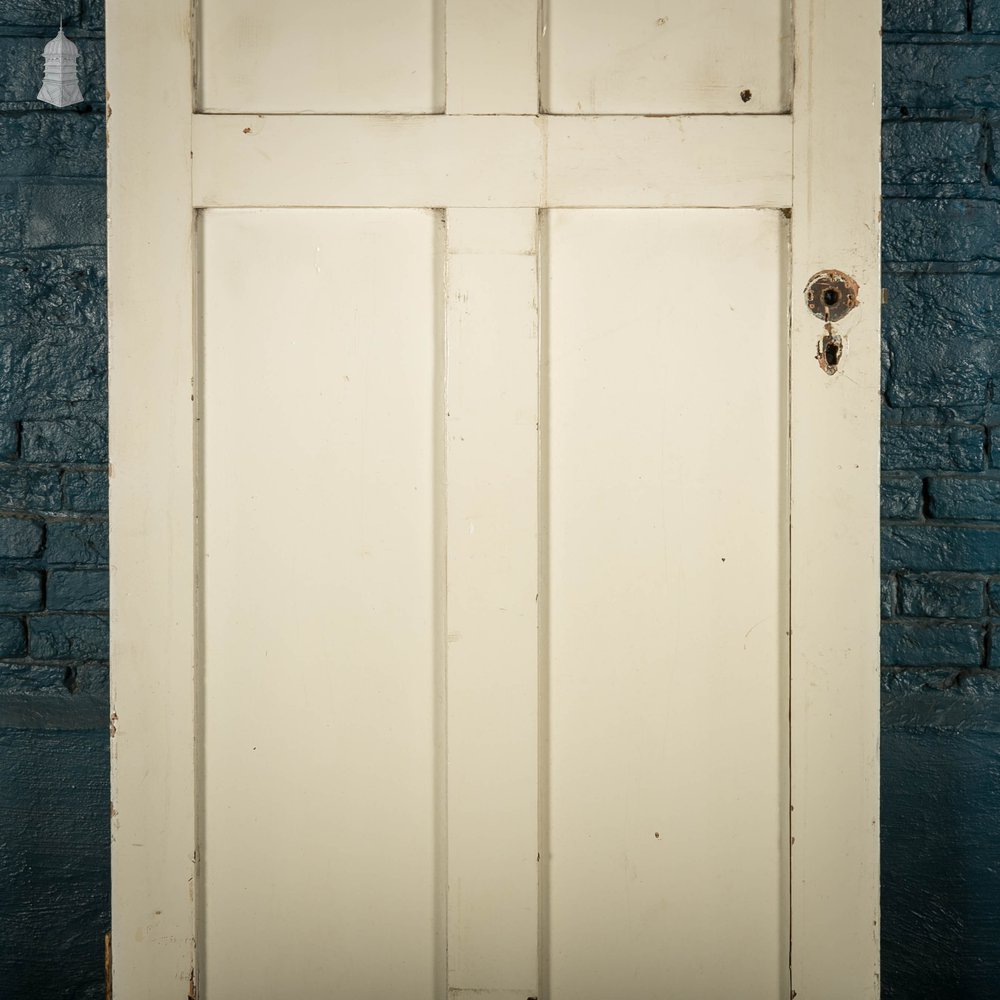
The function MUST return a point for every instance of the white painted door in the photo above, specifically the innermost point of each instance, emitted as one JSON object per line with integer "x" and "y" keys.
{"x": 494, "y": 603}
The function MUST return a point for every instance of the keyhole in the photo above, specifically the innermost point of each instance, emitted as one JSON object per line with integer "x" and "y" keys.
{"x": 832, "y": 351}
{"x": 831, "y": 297}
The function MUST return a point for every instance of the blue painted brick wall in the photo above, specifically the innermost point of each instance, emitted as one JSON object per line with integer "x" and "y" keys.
{"x": 54, "y": 826}
{"x": 941, "y": 500}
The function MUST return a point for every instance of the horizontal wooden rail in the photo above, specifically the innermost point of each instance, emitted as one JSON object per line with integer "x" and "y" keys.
{"x": 420, "y": 161}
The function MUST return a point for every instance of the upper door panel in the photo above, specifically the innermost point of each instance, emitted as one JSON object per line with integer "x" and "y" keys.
{"x": 348, "y": 57}
{"x": 666, "y": 57}
{"x": 641, "y": 57}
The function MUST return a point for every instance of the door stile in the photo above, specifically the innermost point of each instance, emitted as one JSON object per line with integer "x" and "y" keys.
{"x": 152, "y": 459}
{"x": 491, "y": 421}
{"x": 834, "y": 426}
{"x": 491, "y": 430}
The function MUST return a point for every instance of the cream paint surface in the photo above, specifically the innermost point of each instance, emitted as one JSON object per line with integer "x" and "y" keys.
{"x": 323, "y": 57}
{"x": 666, "y": 57}
{"x": 362, "y": 585}
{"x": 666, "y": 602}
{"x": 322, "y": 604}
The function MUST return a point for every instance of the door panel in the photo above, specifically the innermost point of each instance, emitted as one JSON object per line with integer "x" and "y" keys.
{"x": 667, "y": 498}
{"x": 668, "y": 57}
{"x": 322, "y": 603}
{"x": 351, "y": 56}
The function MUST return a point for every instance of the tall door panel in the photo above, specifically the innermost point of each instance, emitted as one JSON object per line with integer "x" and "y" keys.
{"x": 667, "y": 603}
{"x": 322, "y": 603}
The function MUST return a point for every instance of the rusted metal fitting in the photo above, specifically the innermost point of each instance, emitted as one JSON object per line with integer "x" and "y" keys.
{"x": 831, "y": 295}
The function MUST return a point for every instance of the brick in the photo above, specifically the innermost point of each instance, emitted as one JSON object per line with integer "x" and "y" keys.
{"x": 931, "y": 153}
{"x": 20, "y": 590}
{"x": 941, "y": 346}
{"x": 46, "y": 289}
{"x": 13, "y": 641}
{"x": 931, "y": 547}
{"x": 93, "y": 15}
{"x": 902, "y": 497}
{"x": 940, "y": 77}
{"x": 86, "y": 492}
{"x": 40, "y": 143}
{"x": 923, "y": 15}
{"x": 38, "y": 13}
{"x": 986, "y": 16}
{"x": 964, "y": 498}
{"x": 77, "y": 590}
{"x": 946, "y": 230}
{"x": 20, "y": 538}
{"x": 8, "y": 440}
{"x": 21, "y": 59}
{"x": 958, "y": 449}
{"x": 83, "y": 543}
{"x": 906, "y": 644}
{"x": 888, "y": 596}
{"x": 51, "y": 213}
{"x": 68, "y": 637}
{"x": 939, "y": 596}
{"x": 29, "y": 490}
{"x": 993, "y": 592}
{"x": 51, "y": 374}
{"x": 82, "y": 441}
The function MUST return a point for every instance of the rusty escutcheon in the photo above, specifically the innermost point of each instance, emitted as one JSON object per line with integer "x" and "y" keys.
{"x": 831, "y": 295}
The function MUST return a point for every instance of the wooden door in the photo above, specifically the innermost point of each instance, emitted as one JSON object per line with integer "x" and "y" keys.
{"x": 494, "y": 499}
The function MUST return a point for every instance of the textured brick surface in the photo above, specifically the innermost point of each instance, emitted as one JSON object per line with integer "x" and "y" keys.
{"x": 20, "y": 538}
{"x": 902, "y": 497}
{"x": 20, "y": 590}
{"x": 54, "y": 868}
{"x": 51, "y": 144}
{"x": 937, "y": 152}
{"x": 77, "y": 590}
{"x": 85, "y": 491}
{"x": 923, "y": 15}
{"x": 927, "y": 645}
{"x": 39, "y": 215}
{"x": 941, "y": 547}
{"x": 960, "y": 230}
{"x": 942, "y": 596}
{"x": 964, "y": 498}
{"x": 940, "y": 336}
{"x": 13, "y": 639}
{"x": 83, "y": 543}
{"x": 940, "y": 77}
{"x": 83, "y": 442}
{"x": 986, "y": 16}
{"x": 29, "y": 489}
{"x": 961, "y": 449}
{"x": 68, "y": 637}
{"x": 38, "y": 13}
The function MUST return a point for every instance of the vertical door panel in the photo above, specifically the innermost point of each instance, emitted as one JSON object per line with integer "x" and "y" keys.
{"x": 667, "y": 57}
{"x": 322, "y": 597}
{"x": 667, "y": 611}
{"x": 348, "y": 57}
